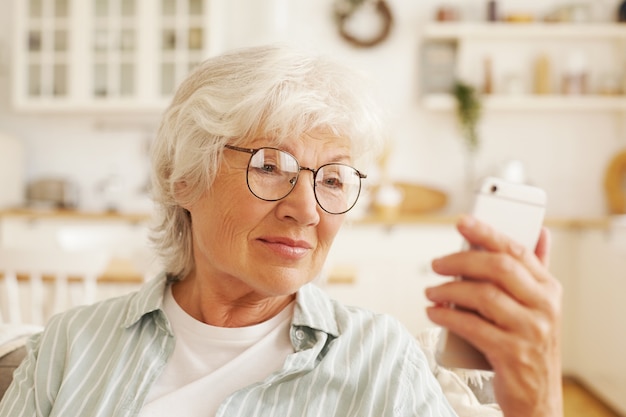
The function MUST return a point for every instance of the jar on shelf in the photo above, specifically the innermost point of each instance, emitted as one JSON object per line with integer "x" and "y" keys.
{"x": 575, "y": 75}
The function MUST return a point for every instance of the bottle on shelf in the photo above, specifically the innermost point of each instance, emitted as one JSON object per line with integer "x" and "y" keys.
{"x": 488, "y": 76}
{"x": 542, "y": 75}
{"x": 492, "y": 11}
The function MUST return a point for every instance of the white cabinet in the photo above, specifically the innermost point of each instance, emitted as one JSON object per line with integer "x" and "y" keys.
{"x": 112, "y": 249}
{"x": 119, "y": 237}
{"x": 122, "y": 55}
{"x": 599, "y": 342}
{"x": 510, "y": 53}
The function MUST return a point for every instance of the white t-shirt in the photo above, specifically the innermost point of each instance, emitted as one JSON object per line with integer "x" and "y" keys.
{"x": 209, "y": 363}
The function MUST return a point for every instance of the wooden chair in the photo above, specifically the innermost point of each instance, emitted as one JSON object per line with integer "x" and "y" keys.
{"x": 29, "y": 274}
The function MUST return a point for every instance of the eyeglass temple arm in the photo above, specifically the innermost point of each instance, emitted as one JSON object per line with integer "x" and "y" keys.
{"x": 237, "y": 148}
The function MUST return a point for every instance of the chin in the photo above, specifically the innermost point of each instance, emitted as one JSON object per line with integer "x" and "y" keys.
{"x": 286, "y": 283}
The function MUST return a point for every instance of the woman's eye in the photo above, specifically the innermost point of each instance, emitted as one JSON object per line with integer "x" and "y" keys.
{"x": 269, "y": 168}
{"x": 332, "y": 182}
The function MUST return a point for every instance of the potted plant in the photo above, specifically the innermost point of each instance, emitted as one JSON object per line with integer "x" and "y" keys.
{"x": 468, "y": 111}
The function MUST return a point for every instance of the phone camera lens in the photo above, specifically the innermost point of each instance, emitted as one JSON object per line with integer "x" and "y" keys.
{"x": 494, "y": 188}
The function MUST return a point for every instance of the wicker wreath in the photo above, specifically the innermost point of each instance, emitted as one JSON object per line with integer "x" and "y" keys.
{"x": 615, "y": 184}
{"x": 345, "y": 8}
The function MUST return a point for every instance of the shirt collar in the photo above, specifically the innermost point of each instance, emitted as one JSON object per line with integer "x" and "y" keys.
{"x": 314, "y": 309}
{"x": 147, "y": 300}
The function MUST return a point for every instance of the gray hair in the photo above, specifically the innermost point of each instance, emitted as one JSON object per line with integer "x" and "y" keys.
{"x": 274, "y": 91}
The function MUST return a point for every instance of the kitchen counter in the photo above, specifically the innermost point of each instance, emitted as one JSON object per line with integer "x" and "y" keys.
{"x": 123, "y": 270}
{"x": 118, "y": 271}
{"x": 73, "y": 214}
{"x": 370, "y": 219}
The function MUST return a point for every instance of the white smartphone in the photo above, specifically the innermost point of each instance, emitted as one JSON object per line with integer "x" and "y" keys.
{"x": 516, "y": 210}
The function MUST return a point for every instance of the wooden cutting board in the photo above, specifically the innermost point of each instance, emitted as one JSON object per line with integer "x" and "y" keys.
{"x": 419, "y": 198}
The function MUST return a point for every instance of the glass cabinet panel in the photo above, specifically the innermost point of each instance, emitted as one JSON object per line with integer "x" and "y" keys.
{"x": 195, "y": 7}
{"x": 60, "y": 8}
{"x": 34, "y": 41}
{"x": 47, "y": 38}
{"x": 128, "y": 8}
{"x": 106, "y": 54}
{"x": 34, "y": 80}
{"x": 127, "y": 79}
{"x": 34, "y": 9}
{"x": 114, "y": 48}
{"x": 195, "y": 39}
{"x": 183, "y": 42}
{"x": 60, "y": 80}
{"x": 60, "y": 40}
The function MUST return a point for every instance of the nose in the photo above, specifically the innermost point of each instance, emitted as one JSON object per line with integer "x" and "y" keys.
{"x": 301, "y": 205}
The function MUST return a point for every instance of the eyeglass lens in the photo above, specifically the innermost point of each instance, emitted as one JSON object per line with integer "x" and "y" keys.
{"x": 273, "y": 173}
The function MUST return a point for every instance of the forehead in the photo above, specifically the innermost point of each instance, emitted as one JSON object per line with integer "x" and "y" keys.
{"x": 316, "y": 141}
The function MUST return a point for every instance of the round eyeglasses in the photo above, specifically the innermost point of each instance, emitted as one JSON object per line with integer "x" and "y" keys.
{"x": 272, "y": 174}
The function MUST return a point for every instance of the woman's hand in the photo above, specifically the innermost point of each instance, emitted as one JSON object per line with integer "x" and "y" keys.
{"x": 519, "y": 312}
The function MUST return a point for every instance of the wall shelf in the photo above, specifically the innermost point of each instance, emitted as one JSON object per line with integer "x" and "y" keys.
{"x": 452, "y": 30}
{"x": 457, "y": 50}
{"x": 445, "y": 102}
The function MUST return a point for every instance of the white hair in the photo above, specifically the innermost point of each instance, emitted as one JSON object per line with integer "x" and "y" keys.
{"x": 278, "y": 92}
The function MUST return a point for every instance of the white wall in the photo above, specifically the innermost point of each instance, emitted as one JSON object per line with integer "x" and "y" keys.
{"x": 565, "y": 152}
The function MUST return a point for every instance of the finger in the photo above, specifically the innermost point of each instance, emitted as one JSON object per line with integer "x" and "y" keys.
{"x": 487, "y": 300}
{"x": 543, "y": 247}
{"x": 485, "y": 336}
{"x": 499, "y": 269}
{"x": 483, "y": 235}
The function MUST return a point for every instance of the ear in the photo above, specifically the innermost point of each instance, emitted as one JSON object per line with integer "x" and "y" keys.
{"x": 181, "y": 194}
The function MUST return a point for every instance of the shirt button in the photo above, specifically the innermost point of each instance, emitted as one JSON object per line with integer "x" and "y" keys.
{"x": 300, "y": 334}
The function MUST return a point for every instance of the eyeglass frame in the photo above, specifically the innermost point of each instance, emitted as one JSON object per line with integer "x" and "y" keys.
{"x": 253, "y": 151}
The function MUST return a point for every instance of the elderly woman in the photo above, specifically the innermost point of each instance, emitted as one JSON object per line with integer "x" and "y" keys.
{"x": 256, "y": 162}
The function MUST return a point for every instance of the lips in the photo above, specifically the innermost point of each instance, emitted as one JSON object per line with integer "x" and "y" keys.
{"x": 287, "y": 247}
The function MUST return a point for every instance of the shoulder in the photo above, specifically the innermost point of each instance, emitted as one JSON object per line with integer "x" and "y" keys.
{"x": 375, "y": 330}
{"x": 104, "y": 319}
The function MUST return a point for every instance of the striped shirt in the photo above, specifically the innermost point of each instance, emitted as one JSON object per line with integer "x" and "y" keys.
{"x": 102, "y": 360}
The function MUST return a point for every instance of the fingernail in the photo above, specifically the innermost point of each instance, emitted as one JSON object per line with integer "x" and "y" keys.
{"x": 516, "y": 249}
{"x": 431, "y": 294}
{"x": 467, "y": 221}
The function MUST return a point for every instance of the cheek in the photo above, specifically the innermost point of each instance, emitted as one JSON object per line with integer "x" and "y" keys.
{"x": 328, "y": 230}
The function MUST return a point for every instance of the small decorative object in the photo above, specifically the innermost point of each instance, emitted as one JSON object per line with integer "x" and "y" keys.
{"x": 388, "y": 201}
{"x": 438, "y": 66}
{"x": 492, "y": 11}
{"x": 345, "y": 9}
{"x": 447, "y": 14}
{"x": 615, "y": 184}
{"x": 488, "y": 76}
{"x": 542, "y": 79}
{"x": 468, "y": 111}
{"x": 575, "y": 74}
{"x": 621, "y": 12}
{"x": 520, "y": 18}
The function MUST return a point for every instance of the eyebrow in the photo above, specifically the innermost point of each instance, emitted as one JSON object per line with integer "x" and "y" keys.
{"x": 339, "y": 156}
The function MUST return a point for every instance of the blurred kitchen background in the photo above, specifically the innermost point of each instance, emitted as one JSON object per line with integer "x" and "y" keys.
{"x": 83, "y": 83}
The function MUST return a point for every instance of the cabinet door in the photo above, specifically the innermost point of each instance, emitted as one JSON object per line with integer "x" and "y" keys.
{"x": 117, "y": 55}
{"x": 114, "y": 48}
{"x": 601, "y": 337}
{"x": 43, "y": 50}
